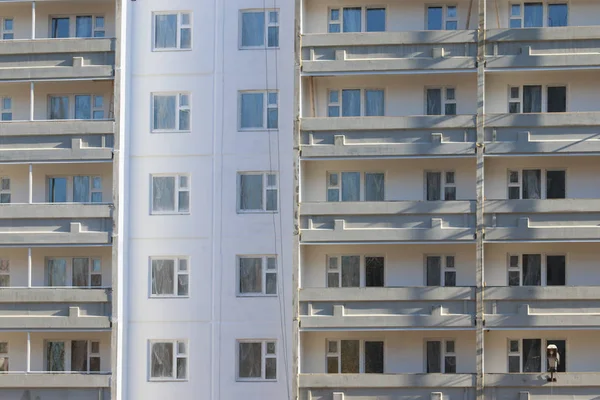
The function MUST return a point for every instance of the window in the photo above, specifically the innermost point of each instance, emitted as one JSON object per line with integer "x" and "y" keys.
{"x": 514, "y": 104}
{"x": 173, "y": 31}
{"x": 440, "y": 185}
{"x": 170, "y": 194}
{"x": 76, "y": 272}
{"x": 529, "y": 184}
{"x": 81, "y": 26}
{"x": 438, "y": 104}
{"x": 529, "y": 270}
{"x": 526, "y": 355}
{"x": 355, "y": 271}
{"x": 259, "y": 110}
{"x": 442, "y": 18}
{"x": 531, "y": 15}
{"x": 256, "y": 25}
{"x": 5, "y": 195}
{"x": 7, "y": 28}
{"x": 4, "y": 357}
{"x": 168, "y": 360}
{"x": 440, "y": 271}
{"x": 257, "y": 275}
{"x": 355, "y": 356}
{"x": 257, "y": 191}
{"x": 557, "y": 99}
{"x": 257, "y": 360}
{"x": 85, "y": 106}
{"x": 84, "y": 189}
{"x": 356, "y": 103}
{"x": 441, "y": 356}
{"x": 169, "y": 277}
{"x": 532, "y": 99}
{"x": 6, "y": 108}
{"x": 348, "y": 187}
{"x": 171, "y": 112}
{"x": 72, "y": 355}
{"x": 4, "y": 273}
{"x": 357, "y": 19}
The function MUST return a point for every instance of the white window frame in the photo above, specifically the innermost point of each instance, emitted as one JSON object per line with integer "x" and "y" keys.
{"x": 544, "y": 98}
{"x": 444, "y": 258}
{"x": 543, "y": 267}
{"x": 444, "y": 353}
{"x": 72, "y": 105}
{"x": 444, "y": 184}
{"x": 67, "y": 359}
{"x": 543, "y": 183}
{"x": 5, "y": 356}
{"x": 183, "y": 102}
{"x": 543, "y": 344}
{"x": 545, "y": 12}
{"x": 71, "y": 184}
{"x": 268, "y": 24}
{"x": 7, "y": 32}
{"x": 93, "y": 262}
{"x": 180, "y": 26}
{"x": 266, "y": 188}
{"x": 73, "y": 24}
{"x": 264, "y": 356}
{"x": 6, "y": 110}
{"x": 362, "y": 188}
{"x": 176, "y": 355}
{"x": 266, "y": 107}
{"x": 181, "y": 268}
{"x": 330, "y": 269}
{"x": 363, "y": 17}
{"x": 5, "y": 270}
{"x": 515, "y": 100}
{"x": 445, "y": 17}
{"x": 178, "y": 188}
{"x": 5, "y": 182}
{"x": 266, "y": 269}
{"x": 445, "y": 99}
{"x": 363, "y": 101}
{"x": 361, "y": 352}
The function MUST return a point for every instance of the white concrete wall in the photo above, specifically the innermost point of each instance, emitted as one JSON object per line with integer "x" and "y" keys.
{"x": 408, "y": 15}
{"x": 404, "y": 179}
{"x": 582, "y": 264}
{"x": 583, "y": 354}
{"x": 581, "y": 13}
{"x": 212, "y": 318}
{"x": 17, "y": 348}
{"x": 404, "y": 264}
{"x": 403, "y": 352}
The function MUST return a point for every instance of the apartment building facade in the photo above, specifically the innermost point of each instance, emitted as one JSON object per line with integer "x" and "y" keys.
{"x": 448, "y": 199}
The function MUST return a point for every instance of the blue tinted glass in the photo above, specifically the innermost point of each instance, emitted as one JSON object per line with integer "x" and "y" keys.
{"x": 515, "y": 23}
{"x": 534, "y": 15}
{"x": 351, "y": 103}
{"x": 376, "y": 20}
{"x": 335, "y": 15}
{"x": 60, "y": 28}
{"x": 8, "y": 24}
{"x": 515, "y": 10}
{"x": 7, "y": 103}
{"x": 451, "y": 25}
{"x": 434, "y": 18}
{"x": 273, "y": 36}
{"x": 253, "y": 29}
{"x": 352, "y": 19}
{"x": 83, "y": 26}
{"x": 334, "y": 28}
{"x": 272, "y": 98}
{"x": 334, "y": 96}
{"x": 6, "y": 116}
{"x": 374, "y": 103}
{"x": 333, "y": 111}
{"x": 57, "y": 190}
{"x": 557, "y": 14}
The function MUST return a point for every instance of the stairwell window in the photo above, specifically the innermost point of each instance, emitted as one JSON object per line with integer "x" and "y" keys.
{"x": 170, "y": 194}
{"x": 170, "y": 277}
{"x": 258, "y": 110}
{"x": 4, "y": 357}
{"x": 168, "y": 360}
{"x": 355, "y": 271}
{"x": 5, "y": 192}
{"x": 440, "y": 185}
{"x": 536, "y": 270}
{"x": 7, "y": 28}
{"x": 257, "y": 275}
{"x": 442, "y": 18}
{"x": 259, "y": 29}
{"x": 527, "y": 355}
{"x": 4, "y": 273}
{"x": 441, "y": 101}
{"x": 357, "y": 19}
{"x": 171, "y": 112}
{"x": 440, "y": 271}
{"x": 356, "y": 103}
{"x": 536, "y": 184}
{"x": 257, "y": 360}
{"x": 172, "y": 31}
{"x": 441, "y": 356}
{"x": 257, "y": 192}
{"x": 537, "y": 15}
{"x": 355, "y": 356}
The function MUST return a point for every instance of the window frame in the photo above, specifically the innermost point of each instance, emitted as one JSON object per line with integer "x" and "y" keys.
{"x": 176, "y": 356}
{"x": 73, "y": 25}
{"x": 72, "y": 111}
{"x": 362, "y": 190}
{"x": 361, "y": 354}
{"x": 268, "y": 24}
{"x": 443, "y": 184}
{"x": 444, "y": 257}
{"x": 543, "y": 181}
{"x": 6, "y": 111}
{"x": 5, "y": 271}
{"x": 176, "y": 192}
{"x": 177, "y": 271}
{"x": 263, "y": 362}
{"x": 545, "y": 13}
{"x": 178, "y": 109}
{"x": 5, "y": 192}
{"x": 5, "y": 357}
{"x": 180, "y": 27}
{"x": 5, "y": 32}
{"x": 445, "y": 100}
{"x": 544, "y": 98}
{"x": 265, "y": 112}
{"x": 363, "y": 101}
{"x": 443, "y": 354}
{"x": 445, "y": 18}
{"x": 70, "y": 188}
{"x": 265, "y": 270}
{"x": 363, "y": 18}
{"x": 68, "y": 352}
{"x": 92, "y": 261}
{"x": 362, "y": 268}
{"x": 266, "y": 187}
{"x": 543, "y": 268}
{"x": 544, "y": 359}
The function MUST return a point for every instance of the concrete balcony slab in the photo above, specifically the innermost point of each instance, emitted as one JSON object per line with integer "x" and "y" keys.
{"x": 537, "y": 380}
{"x": 74, "y": 320}
{"x": 539, "y": 293}
{"x": 54, "y": 295}
{"x": 57, "y": 127}
{"x": 526, "y": 319}
{"x": 316, "y": 381}
{"x": 63, "y": 45}
{"x": 387, "y": 123}
{"x": 55, "y": 210}
{"x": 530, "y": 206}
{"x": 392, "y": 294}
{"x": 53, "y": 380}
{"x": 387, "y": 207}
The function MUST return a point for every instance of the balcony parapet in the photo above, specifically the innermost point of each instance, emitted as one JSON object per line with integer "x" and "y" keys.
{"x": 54, "y": 295}
{"x": 533, "y": 380}
{"x": 525, "y": 231}
{"x": 525, "y": 318}
{"x": 359, "y": 381}
{"x": 54, "y": 210}
{"x": 531, "y": 206}
{"x": 74, "y": 320}
{"x": 431, "y": 122}
{"x": 57, "y": 127}
{"x": 387, "y": 207}
{"x": 52, "y": 45}
{"x": 58, "y": 380}
{"x": 391, "y": 294}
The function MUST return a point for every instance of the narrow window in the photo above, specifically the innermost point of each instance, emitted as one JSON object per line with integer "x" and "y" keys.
{"x": 374, "y": 186}
{"x": 56, "y": 272}
{"x": 514, "y": 185}
{"x": 99, "y": 30}
{"x": 350, "y": 271}
{"x": 98, "y": 107}
{"x": 534, "y": 15}
{"x": 435, "y": 16}
{"x": 532, "y": 355}
{"x": 450, "y": 102}
{"x": 434, "y": 186}
{"x": 440, "y": 186}
{"x": 352, "y": 19}
{"x": 257, "y": 275}
{"x": 272, "y": 110}
{"x": 449, "y": 272}
{"x": 273, "y": 29}
{"x": 334, "y": 20}
{"x": 57, "y": 190}
{"x": 5, "y": 192}
{"x": 172, "y": 31}
{"x": 532, "y": 99}
{"x": 83, "y": 26}
{"x": 558, "y": 15}
{"x": 557, "y": 99}
{"x": 350, "y": 186}
{"x": 374, "y": 272}
{"x": 168, "y": 360}
{"x": 556, "y": 271}
{"x": 555, "y": 184}
{"x": 257, "y": 192}
{"x": 333, "y": 108}
{"x": 514, "y": 270}
{"x": 440, "y": 271}
{"x": 171, "y": 112}
{"x": 81, "y": 272}
{"x": 351, "y": 104}
{"x": 373, "y": 357}
{"x": 532, "y": 269}
{"x": 333, "y": 272}
{"x": 258, "y": 25}
{"x": 257, "y": 360}
{"x": 6, "y": 108}
{"x": 375, "y": 19}
{"x": 441, "y": 356}
{"x": 4, "y": 273}
{"x": 333, "y": 357}
{"x": 516, "y": 16}
{"x": 170, "y": 194}
{"x": 169, "y": 276}
{"x": 434, "y": 101}
{"x": 514, "y": 104}
{"x": 4, "y": 357}
{"x": 94, "y": 359}
{"x": 55, "y": 356}
{"x": 451, "y": 18}
{"x": 532, "y": 184}
{"x": 514, "y": 356}
{"x": 96, "y": 273}
{"x": 449, "y": 186}
{"x": 8, "y": 32}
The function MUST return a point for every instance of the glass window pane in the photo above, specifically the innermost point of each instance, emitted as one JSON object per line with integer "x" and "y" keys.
{"x": 350, "y": 186}
{"x": 83, "y": 26}
{"x": 450, "y": 109}
{"x": 515, "y": 23}
{"x": 434, "y": 101}
{"x": 450, "y": 364}
{"x": 532, "y": 99}
{"x": 515, "y": 10}
{"x": 350, "y": 271}
{"x": 271, "y": 368}
{"x": 250, "y": 360}
{"x": 166, "y": 31}
{"x": 60, "y": 28}
{"x": 99, "y": 22}
{"x": 352, "y": 19}
{"x": 55, "y": 356}
{"x": 83, "y": 107}
{"x": 557, "y": 99}
{"x": 374, "y": 271}
{"x": 333, "y": 194}
{"x": 163, "y": 273}
{"x": 558, "y": 14}
{"x": 434, "y": 186}
{"x": 514, "y": 278}
{"x": 185, "y": 19}
{"x": 534, "y": 15}
{"x": 56, "y": 272}
{"x": 450, "y": 193}
{"x": 514, "y": 108}
{"x": 271, "y": 199}
{"x": 164, "y": 112}
{"x": 273, "y": 36}
{"x": 514, "y": 193}
{"x": 556, "y": 271}
{"x": 333, "y": 279}
{"x": 532, "y": 184}
{"x": 161, "y": 360}
{"x": 351, "y": 103}
{"x": 513, "y": 346}
{"x": 57, "y": 190}
{"x": 163, "y": 193}
{"x": 273, "y": 17}
{"x": 532, "y": 355}
{"x": 183, "y": 284}
{"x": 350, "y": 356}
{"x": 250, "y": 275}
{"x": 333, "y": 111}
{"x": 450, "y": 278}
{"x": 334, "y": 28}
{"x": 8, "y": 24}
{"x": 451, "y": 25}
{"x": 376, "y": 20}
{"x": 332, "y": 365}
{"x": 271, "y": 283}
{"x": 374, "y": 187}
{"x": 451, "y": 12}
{"x": 532, "y": 269}
{"x": 334, "y": 96}
{"x": 79, "y": 355}
{"x": 253, "y": 29}
{"x": 374, "y": 103}
{"x": 186, "y": 38}
{"x": 252, "y": 108}
{"x": 434, "y": 271}
{"x": 434, "y": 356}
{"x": 434, "y": 18}
{"x": 181, "y": 368}
{"x": 334, "y": 14}
{"x": 59, "y": 107}
{"x": 272, "y": 118}
{"x": 184, "y": 201}
{"x": 374, "y": 357}
{"x": 251, "y": 192}
{"x": 94, "y": 364}
{"x": 81, "y": 272}
{"x": 81, "y": 189}
{"x": 555, "y": 184}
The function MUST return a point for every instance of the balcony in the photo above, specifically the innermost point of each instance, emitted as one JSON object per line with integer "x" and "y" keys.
{"x": 556, "y": 133}
{"x": 55, "y": 380}
{"x": 587, "y": 381}
{"x": 54, "y": 295}
{"x": 539, "y": 48}
{"x": 374, "y": 52}
{"x": 55, "y": 316}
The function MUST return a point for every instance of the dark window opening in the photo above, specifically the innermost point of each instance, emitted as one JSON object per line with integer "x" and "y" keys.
{"x": 374, "y": 271}
{"x": 555, "y": 184}
{"x": 374, "y": 357}
{"x": 555, "y": 271}
{"x": 557, "y": 99}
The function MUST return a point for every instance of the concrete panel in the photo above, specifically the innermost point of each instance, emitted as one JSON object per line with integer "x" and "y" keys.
{"x": 56, "y": 380}
{"x": 539, "y": 293}
{"x": 524, "y": 232}
{"x": 392, "y": 38}
{"x": 62, "y": 127}
{"x": 79, "y": 72}
{"x": 386, "y": 380}
{"x": 543, "y": 61}
{"x": 388, "y": 207}
{"x": 542, "y": 206}
{"x": 76, "y": 154}
{"x": 73, "y": 321}
{"x": 388, "y": 294}
{"x": 380, "y": 123}
{"x": 371, "y": 66}
{"x": 543, "y": 34}
{"x": 46, "y": 46}
{"x": 526, "y": 319}
{"x": 56, "y": 238}
{"x": 387, "y": 150}
{"x": 54, "y": 295}
{"x": 565, "y": 379}
{"x": 57, "y": 210}
{"x": 568, "y": 119}
{"x": 524, "y": 145}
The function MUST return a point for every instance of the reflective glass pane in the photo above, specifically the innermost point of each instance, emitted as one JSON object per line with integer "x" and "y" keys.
{"x": 81, "y": 272}
{"x": 186, "y": 38}
{"x": 352, "y": 19}
{"x": 351, "y": 103}
{"x": 434, "y": 18}
{"x": 376, "y": 20}
{"x": 374, "y": 100}
{"x": 164, "y": 112}
{"x": 250, "y": 360}
{"x": 163, "y": 272}
{"x": 558, "y": 14}
{"x": 57, "y": 190}
{"x": 165, "y": 36}
{"x": 83, "y": 26}
{"x": 251, "y": 192}
{"x": 253, "y": 29}
{"x": 161, "y": 365}
{"x": 83, "y": 107}
{"x": 163, "y": 193}
{"x": 273, "y": 36}
{"x": 56, "y": 272}
{"x": 374, "y": 187}
{"x": 250, "y": 275}
{"x": 350, "y": 271}
{"x": 81, "y": 189}
{"x": 434, "y": 270}
{"x": 55, "y": 356}
{"x": 350, "y": 186}
{"x": 59, "y": 107}
{"x": 252, "y": 109}
{"x": 60, "y": 28}
{"x": 534, "y": 15}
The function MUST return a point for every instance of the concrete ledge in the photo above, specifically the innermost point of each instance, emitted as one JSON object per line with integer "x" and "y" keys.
{"x": 559, "y": 147}
{"x": 72, "y": 321}
{"x": 388, "y": 123}
{"x": 89, "y": 154}
{"x": 565, "y": 379}
{"x": 543, "y": 34}
{"x": 371, "y": 66}
{"x": 542, "y": 206}
{"x": 546, "y": 233}
{"x": 375, "y": 322}
{"x": 33, "y": 73}
{"x": 543, "y": 61}
{"x": 539, "y": 293}
{"x": 526, "y": 320}
{"x": 388, "y": 294}
{"x": 54, "y": 238}
{"x": 53, "y": 380}
{"x": 57, "y": 127}
{"x": 387, "y": 38}
{"x": 387, "y": 207}
{"x": 568, "y": 119}
{"x": 388, "y": 235}
{"x": 54, "y": 295}
{"x": 359, "y": 381}
{"x": 47, "y": 46}
{"x": 388, "y": 149}
{"x": 57, "y": 210}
